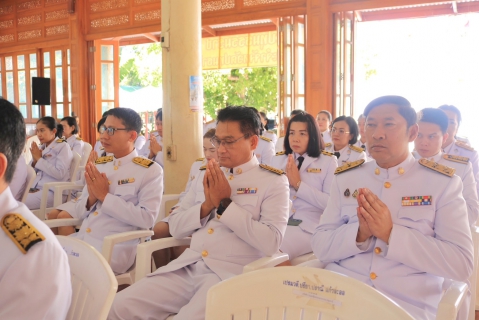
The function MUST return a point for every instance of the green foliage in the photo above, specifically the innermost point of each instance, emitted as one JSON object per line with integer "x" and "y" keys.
{"x": 255, "y": 87}
{"x": 142, "y": 67}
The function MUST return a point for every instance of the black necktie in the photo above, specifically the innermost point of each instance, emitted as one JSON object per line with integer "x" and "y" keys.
{"x": 337, "y": 154}
{"x": 300, "y": 162}
{"x": 231, "y": 170}
{"x": 363, "y": 146}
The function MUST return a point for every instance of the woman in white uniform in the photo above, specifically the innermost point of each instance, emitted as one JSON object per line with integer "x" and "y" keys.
{"x": 51, "y": 160}
{"x": 266, "y": 132}
{"x": 344, "y": 133}
{"x": 70, "y": 134}
{"x": 324, "y": 118}
{"x": 310, "y": 172}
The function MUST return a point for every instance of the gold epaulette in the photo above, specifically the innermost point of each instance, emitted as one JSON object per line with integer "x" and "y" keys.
{"x": 349, "y": 166}
{"x": 280, "y": 153}
{"x": 454, "y": 158}
{"x": 464, "y": 146}
{"x": 326, "y": 153}
{"x": 270, "y": 131}
{"x": 22, "y": 233}
{"x": 104, "y": 159}
{"x": 327, "y": 145}
{"x": 271, "y": 169}
{"x": 200, "y": 159}
{"x": 357, "y": 149}
{"x": 265, "y": 139}
{"x": 78, "y": 138}
{"x": 445, "y": 170}
{"x": 203, "y": 168}
{"x": 60, "y": 140}
{"x": 144, "y": 162}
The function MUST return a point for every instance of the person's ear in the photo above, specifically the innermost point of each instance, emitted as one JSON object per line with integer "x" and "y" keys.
{"x": 445, "y": 137}
{"x": 254, "y": 142}
{"x": 3, "y": 166}
{"x": 412, "y": 132}
{"x": 133, "y": 136}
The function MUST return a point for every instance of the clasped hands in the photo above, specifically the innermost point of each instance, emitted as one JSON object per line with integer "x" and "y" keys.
{"x": 155, "y": 147}
{"x": 374, "y": 217}
{"x": 216, "y": 187}
{"x": 292, "y": 172}
{"x": 97, "y": 183}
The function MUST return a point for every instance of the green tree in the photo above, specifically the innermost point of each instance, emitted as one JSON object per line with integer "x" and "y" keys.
{"x": 255, "y": 87}
{"x": 142, "y": 67}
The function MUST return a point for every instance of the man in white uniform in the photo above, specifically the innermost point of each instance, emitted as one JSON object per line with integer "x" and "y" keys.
{"x": 34, "y": 272}
{"x": 402, "y": 227}
{"x": 235, "y": 215}
{"x": 153, "y": 148}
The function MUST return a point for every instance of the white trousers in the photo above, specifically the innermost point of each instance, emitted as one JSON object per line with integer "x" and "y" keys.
{"x": 296, "y": 242}
{"x": 34, "y": 199}
{"x": 182, "y": 292}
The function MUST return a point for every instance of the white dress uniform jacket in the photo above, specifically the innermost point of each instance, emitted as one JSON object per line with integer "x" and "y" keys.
{"x": 348, "y": 154}
{"x": 98, "y": 148}
{"x": 131, "y": 204}
{"x": 76, "y": 144}
{"x": 463, "y": 171}
{"x": 309, "y": 201}
{"x": 327, "y": 136}
{"x": 457, "y": 148}
{"x": 53, "y": 166}
{"x": 145, "y": 151}
{"x": 35, "y": 284}
{"x": 279, "y": 145}
{"x": 430, "y": 239}
{"x": 251, "y": 227}
{"x": 140, "y": 142}
{"x": 265, "y": 150}
{"x": 19, "y": 180}
{"x": 193, "y": 175}
{"x": 271, "y": 136}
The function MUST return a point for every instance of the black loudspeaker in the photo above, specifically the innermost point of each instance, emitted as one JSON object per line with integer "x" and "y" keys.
{"x": 40, "y": 91}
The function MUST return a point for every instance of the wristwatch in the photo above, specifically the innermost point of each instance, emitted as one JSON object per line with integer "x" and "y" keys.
{"x": 224, "y": 203}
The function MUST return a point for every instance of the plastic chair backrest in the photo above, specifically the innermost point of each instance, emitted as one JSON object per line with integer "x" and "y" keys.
{"x": 74, "y": 166}
{"x": 86, "y": 153}
{"x": 298, "y": 293}
{"x": 28, "y": 145}
{"x": 31, "y": 174}
{"x": 93, "y": 283}
{"x": 164, "y": 199}
{"x": 474, "y": 278}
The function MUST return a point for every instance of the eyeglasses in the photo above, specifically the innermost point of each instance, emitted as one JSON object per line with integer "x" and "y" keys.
{"x": 338, "y": 131}
{"x": 110, "y": 131}
{"x": 227, "y": 144}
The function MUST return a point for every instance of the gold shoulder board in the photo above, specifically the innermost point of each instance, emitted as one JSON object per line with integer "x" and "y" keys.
{"x": 326, "y": 153}
{"x": 265, "y": 139}
{"x": 272, "y": 169}
{"x": 280, "y": 153}
{"x": 60, "y": 140}
{"x": 78, "y": 138}
{"x": 349, "y": 166}
{"x": 144, "y": 162}
{"x": 357, "y": 149}
{"x": 200, "y": 159}
{"x": 445, "y": 170}
{"x": 454, "y": 158}
{"x": 104, "y": 159}
{"x": 327, "y": 145}
{"x": 271, "y": 131}
{"x": 22, "y": 233}
{"x": 203, "y": 168}
{"x": 464, "y": 146}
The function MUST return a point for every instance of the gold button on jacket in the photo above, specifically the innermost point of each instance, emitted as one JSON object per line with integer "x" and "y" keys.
{"x": 204, "y": 253}
{"x": 373, "y": 276}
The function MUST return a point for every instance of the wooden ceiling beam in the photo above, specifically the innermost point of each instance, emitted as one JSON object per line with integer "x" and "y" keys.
{"x": 209, "y": 30}
{"x": 454, "y": 7}
{"x": 150, "y": 36}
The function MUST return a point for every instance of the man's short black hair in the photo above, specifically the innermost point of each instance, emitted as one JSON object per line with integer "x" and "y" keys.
{"x": 404, "y": 107}
{"x": 315, "y": 143}
{"x": 12, "y": 136}
{"x": 248, "y": 119}
{"x": 353, "y": 127}
{"x": 295, "y": 112}
{"x": 100, "y": 123}
{"x": 436, "y": 116}
{"x": 454, "y": 109}
{"x": 159, "y": 114}
{"x": 129, "y": 117}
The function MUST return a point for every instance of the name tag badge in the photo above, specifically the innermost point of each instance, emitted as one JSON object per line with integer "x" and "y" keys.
{"x": 314, "y": 170}
{"x": 416, "y": 201}
{"x": 246, "y": 190}
{"x": 125, "y": 181}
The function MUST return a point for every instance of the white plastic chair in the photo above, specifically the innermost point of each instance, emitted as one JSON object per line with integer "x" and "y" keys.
{"x": 93, "y": 283}
{"x": 41, "y": 212}
{"x": 31, "y": 175}
{"x": 303, "y": 258}
{"x": 28, "y": 145}
{"x": 164, "y": 199}
{"x": 108, "y": 244}
{"x": 85, "y": 153}
{"x": 454, "y": 294}
{"x": 474, "y": 278}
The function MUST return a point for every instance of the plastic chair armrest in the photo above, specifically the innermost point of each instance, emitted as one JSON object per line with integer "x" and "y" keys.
{"x": 266, "y": 262}
{"x": 110, "y": 241}
{"x": 452, "y": 300}
{"x": 315, "y": 263}
{"x": 63, "y": 222}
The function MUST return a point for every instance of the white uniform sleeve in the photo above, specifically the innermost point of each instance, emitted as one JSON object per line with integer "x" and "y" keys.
{"x": 449, "y": 253}
{"x": 268, "y": 154}
{"x": 267, "y": 233}
{"x": 60, "y": 169}
{"x": 315, "y": 197}
{"x": 188, "y": 184}
{"x": 469, "y": 193}
{"x": 19, "y": 180}
{"x": 78, "y": 148}
{"x": 37, "y": 285}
